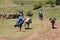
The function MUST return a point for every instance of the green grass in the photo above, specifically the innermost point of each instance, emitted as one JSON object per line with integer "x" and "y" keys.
{"x": 7, "y": 6}
{"x": 7, "y": 25}
{"x": 7, "y": 29}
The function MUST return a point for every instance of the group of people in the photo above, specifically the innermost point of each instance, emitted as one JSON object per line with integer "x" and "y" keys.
{"x": 28, "y": 19}
{"x": 52, "y": 20}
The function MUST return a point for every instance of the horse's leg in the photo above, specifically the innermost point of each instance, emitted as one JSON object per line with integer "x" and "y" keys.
{"x": 25, "y": 25}
{"x": 28, "y": 25}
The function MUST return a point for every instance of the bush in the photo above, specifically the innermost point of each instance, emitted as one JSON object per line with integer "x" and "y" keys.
{"x": 47, "y": 2}
{"x": 37, "y": 6}
{"x": 51, "y": 2}
{"x": 57, "y": 2}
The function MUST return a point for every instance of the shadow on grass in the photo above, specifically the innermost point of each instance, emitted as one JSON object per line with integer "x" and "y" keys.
{"x": 28, "y": 28}
{"x": 24, "y": 31}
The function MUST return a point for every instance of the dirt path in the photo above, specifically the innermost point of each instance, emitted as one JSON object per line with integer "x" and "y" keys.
{"x": 47, "y": 34}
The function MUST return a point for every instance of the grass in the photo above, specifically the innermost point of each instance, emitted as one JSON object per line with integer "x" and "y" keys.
{"x": 7, "y": 29}
{"x": 7, "y": 6}
{"x": 7, "y": 25}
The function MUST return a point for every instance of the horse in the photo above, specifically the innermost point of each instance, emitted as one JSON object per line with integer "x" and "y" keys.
{"x": 27, "y": 22}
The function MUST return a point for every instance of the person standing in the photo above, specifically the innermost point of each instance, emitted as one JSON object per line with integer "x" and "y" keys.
{"x": 19, "y": 21}
{"x": 40, "y": 15}
{"x": 52, "y": 20}
{"x": 21, "y": 12}
{"x": 29, "y": 13}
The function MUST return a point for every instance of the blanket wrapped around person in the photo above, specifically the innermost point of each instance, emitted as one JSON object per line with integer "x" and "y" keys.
{"x": 19, "y": 22}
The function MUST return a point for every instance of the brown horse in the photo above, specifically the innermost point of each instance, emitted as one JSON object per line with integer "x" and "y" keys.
{"x": 27, "y": 22}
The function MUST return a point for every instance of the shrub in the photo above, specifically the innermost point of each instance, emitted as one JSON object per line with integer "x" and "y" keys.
{"x": 37, "y": 6}
{"x": 51, "y": 2}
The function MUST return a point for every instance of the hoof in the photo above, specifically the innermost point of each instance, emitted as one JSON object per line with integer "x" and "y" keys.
{"x": 54, "y": 27}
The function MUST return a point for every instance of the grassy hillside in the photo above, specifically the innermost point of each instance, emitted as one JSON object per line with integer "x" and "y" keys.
{"x": 7, "y": 6}
{"x": 8, "y": 32}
